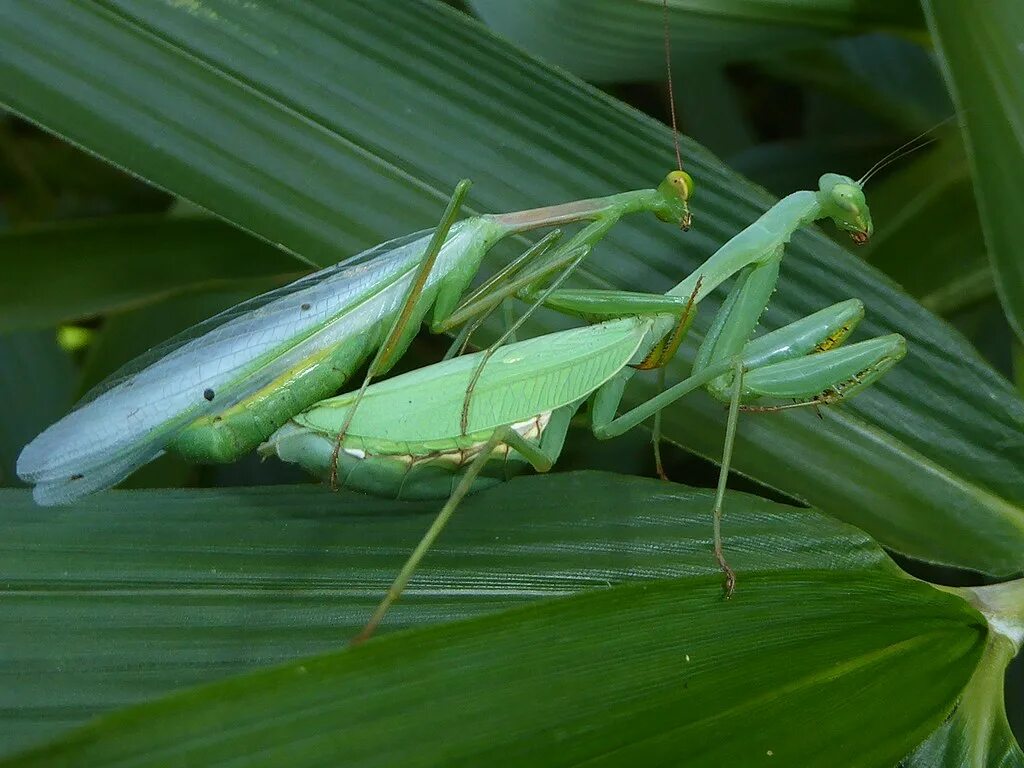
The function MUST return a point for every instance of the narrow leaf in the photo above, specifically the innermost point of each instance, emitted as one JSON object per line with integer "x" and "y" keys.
{"x": 36, "y": 381}
{"x": 920, "y": 197}
{"x": 981, "y": 47}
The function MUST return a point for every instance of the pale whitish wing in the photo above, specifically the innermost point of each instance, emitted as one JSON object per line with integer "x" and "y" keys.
{"x": 129, "y": 419}
{"x": 165, "y": 348}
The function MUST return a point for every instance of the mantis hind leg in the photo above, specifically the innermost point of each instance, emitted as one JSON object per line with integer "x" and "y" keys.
{"x": 723, "y": 477}
{"x": 659, "y": 465}
{"x": 541, "y": 456}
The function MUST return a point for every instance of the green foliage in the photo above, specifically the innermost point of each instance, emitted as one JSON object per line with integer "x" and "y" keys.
{"x": 680, "y": 671}
{"x": 229, "y": 579}
{"x": 314, "y": 129}
{"x": 989, "y": 93}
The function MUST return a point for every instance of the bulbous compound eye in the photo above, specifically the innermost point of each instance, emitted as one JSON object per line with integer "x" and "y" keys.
{"x": 682, "y": 182}
{"x": 845, "y": 198}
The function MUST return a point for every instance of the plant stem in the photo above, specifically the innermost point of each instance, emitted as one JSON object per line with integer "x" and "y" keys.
{"x": 1003, "y": 607}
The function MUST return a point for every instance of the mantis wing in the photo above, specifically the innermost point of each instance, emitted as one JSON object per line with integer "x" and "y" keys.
{"x": 520, "y": 381}
{"x": 131, "y": 417}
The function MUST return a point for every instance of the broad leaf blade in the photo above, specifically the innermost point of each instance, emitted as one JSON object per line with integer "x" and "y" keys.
{"x": 226, "y": 580}
{"x": 644, "y": 674}
{"x": 141, "y": 101}
{"x": 989, "y": 93}
{"x": 361, "y": 136}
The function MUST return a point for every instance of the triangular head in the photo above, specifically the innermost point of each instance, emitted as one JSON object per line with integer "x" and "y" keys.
{"x": 842, "y": 200}
{"x": 675, "y": 191}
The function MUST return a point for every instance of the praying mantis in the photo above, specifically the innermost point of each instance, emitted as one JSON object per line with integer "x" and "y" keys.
{"x": 216, "y": 391}
{"x": 466, "y": 423}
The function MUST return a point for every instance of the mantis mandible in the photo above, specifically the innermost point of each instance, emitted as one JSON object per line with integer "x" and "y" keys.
{"x": 214, "y": 392}
{"x": 463, "y": 424}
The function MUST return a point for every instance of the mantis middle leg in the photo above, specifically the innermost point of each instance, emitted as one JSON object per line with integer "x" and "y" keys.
{"x": 802, "y": 362}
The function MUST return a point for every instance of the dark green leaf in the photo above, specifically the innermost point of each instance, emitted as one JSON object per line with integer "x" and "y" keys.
{"x": 931, "y": 241}
{"x": 709, "y": 109}
{"x": 45, "y": 179}
{"x": 326, "y": 126}
{"x": 607, "y": 40}
{"x": 989, "y": 93}
{"x": 73, "y": 271}
{"x": 887, "y": 77}
{"x": 657, "y": 673}
{"x": 133, "y": 594}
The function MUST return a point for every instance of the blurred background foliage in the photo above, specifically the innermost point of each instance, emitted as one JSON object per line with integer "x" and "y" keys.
{"x": 778, "y": 91}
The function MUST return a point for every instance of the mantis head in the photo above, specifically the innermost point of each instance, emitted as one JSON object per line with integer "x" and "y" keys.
{"x": 842, "y": 200}
{"x": 675, "y": 192}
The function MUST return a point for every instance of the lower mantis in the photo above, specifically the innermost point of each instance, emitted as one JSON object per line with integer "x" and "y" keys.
{"x": 460, "y": 425}
{"x": 215, "y": 392}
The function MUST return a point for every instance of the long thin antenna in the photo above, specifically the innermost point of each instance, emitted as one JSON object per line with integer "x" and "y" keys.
{"x": 671, "y": 90}
{"x": 892, "y": 157}
{"x": 903, "y": 150}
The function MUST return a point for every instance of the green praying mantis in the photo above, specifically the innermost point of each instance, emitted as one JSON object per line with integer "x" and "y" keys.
{"x": 257, "y": 374}
{"x": 216, "y": 391}
{"x": 467, "y": 423}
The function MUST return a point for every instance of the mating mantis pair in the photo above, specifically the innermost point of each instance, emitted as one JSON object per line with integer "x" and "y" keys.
{"x": 216, "y": 391}
{"x": 257, "y": 372}
{"x": 466, "y": 423}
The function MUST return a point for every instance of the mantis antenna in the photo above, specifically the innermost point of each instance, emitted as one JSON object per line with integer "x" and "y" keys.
{"x": 903, "y": 150}
{"x": 671, "y": 90}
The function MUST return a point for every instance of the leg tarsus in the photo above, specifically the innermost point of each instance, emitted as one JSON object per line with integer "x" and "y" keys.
{"x": 659, "y": 466}
{"x": 723, "y": 476}
{"x": 729, "y": 587}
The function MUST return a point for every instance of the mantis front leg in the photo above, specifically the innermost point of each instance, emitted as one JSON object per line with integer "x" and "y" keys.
{"x": 802, "y": 362}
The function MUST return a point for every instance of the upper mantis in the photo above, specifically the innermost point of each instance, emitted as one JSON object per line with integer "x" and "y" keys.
{"x": 216, "y": 391}
{"x": 445, "y": 430}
